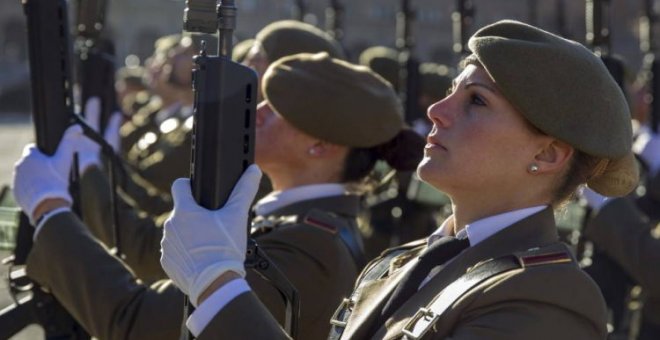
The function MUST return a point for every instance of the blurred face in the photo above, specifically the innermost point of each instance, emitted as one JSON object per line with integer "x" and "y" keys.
{"x": 279, "y": 146}
{"x": 257, "y": 60}
{"x": 479, "y": 143}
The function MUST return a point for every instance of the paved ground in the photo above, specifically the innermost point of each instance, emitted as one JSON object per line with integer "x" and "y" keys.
{"x": 15, "y": 131}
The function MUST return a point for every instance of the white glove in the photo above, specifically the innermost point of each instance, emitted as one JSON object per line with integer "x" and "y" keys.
{"x": 38, "y": 177}
{"x": 89, "y": 154}
{"x": 594, "y": 199}
{"x": 111, "y": 133}
{"x": 199, "y": 244}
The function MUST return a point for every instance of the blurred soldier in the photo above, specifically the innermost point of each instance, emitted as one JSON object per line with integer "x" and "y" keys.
{"x": 132, "y": 91}
{"x": 627, "y": 231}
{"x": 384, "y": 61}
{"x": 240, "y": 50}
{"x": 168, "y": 78}
{"x": 318, "y": 155}
{"x": 160, "y": 162}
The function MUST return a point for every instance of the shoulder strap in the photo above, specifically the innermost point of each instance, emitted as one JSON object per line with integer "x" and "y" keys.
{"x": 426, "y": 317}
{"x": 375, "y": 270}
{"x": 346, "y": 233}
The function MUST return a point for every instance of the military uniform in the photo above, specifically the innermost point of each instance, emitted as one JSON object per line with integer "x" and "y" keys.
{"x": 528, "y": 302}
{"x": 306, "y": 240}
{"x": 628, "y": 232}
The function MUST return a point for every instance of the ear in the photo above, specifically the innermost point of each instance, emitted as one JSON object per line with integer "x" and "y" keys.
{"x": 553, "y": 157}
{"x": 324, "y": 149}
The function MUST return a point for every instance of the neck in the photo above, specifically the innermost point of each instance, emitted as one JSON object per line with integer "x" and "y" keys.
{"x": 283, "y": 179}
{"x": 466, "y": 211}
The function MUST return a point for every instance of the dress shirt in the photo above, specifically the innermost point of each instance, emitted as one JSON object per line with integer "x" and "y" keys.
{"x": 480, "y": 230}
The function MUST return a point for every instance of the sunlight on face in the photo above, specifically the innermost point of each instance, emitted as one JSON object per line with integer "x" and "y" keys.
{"x": 479, "y": 142}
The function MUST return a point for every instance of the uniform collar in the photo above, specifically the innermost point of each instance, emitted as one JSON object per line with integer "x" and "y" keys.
{"x": 277, "y": 200}
{"x": 482, "y": 229}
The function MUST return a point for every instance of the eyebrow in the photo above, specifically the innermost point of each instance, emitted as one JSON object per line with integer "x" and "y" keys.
{"x": 476, "y": 83}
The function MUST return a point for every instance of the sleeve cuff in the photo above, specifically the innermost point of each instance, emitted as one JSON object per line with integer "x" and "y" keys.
{"x": 201, "y": 317}
{"x": 45, "y": 217}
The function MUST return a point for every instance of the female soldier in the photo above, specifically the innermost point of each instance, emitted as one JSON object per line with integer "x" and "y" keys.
{"x": 318, "y": 134}
{"x": 530, "y": 118}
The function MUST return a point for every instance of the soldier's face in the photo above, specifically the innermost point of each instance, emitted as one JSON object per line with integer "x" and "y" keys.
{"x": 479, "y": 143}
{"x": 279, "y": 146}
{"x": 257, "y": 60}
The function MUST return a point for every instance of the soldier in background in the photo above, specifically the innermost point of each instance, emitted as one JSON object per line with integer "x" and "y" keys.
{"x": 132, "y": 91}
{"x": 241, "y": 49}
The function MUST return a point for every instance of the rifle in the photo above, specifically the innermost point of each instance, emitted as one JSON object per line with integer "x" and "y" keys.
{"x": 598, "y": 37}
{"x": 612, "y": 279}
{"x": 52, "y": 106}
{"x": 651, "y": 64}
{"x": 96, "y": 60}
{"x": 462, "y": 19}
{"x": 409, "y": 66}
{"x": 96, "y": 78}
{"x": 223, "y": 132}
{"x": 334, "y": 20}
{"x": 299, "y": 10}
{"x": 532, "y": 10}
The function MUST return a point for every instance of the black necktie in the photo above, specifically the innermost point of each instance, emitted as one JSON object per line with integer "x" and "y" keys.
{"x": 437, "y": 254}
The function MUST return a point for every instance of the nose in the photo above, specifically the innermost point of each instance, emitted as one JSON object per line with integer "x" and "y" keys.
{"x": 263, "y": 110}
{"x": 442, "y": 113}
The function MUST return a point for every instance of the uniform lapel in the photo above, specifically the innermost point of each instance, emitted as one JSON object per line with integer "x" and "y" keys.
{"x": 369, "y": 303}
{"x": 534, "y": 231}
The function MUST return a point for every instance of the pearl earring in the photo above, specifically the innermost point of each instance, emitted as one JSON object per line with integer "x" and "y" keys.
{"x": 533, "y": 168}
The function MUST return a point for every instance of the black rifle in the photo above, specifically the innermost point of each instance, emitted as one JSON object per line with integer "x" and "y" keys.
{"x": 52, "y": 106}
{"x": 334, "y": 20}
{"x": 223, "y": 132}
{"x": 409, "y": 66}
{"x": 299, "y": 10}
{"x": 462, "y": 19}
{"x": 96, "y": 78}
{"x": 96, "y": 60}
{"x": 598, "y": 37}
{"x": 651, "y": 64}
{"x": 611, "y": 278}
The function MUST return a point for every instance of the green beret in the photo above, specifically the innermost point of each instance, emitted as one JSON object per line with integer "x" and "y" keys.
{"x": 434, "y": 79}
{"x": 241, "y": 49}
{"x": 384, "y": 61}
{"x": 333, "y": 100}
{"x": 288, "y": 37}
{"x": 564, "y": 90}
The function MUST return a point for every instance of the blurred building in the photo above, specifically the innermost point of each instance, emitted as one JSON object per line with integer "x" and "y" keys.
{"x": 134, "y": 25}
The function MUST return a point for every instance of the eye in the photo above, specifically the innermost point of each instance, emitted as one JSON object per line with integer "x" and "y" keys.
{"x": 476, "y": 100}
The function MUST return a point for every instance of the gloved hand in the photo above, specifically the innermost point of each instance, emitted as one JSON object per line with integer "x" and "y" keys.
{"x": 89, "y": 154}
{"x": 199, "y": 244}
{"x": 594, "y": 199}
{"x": 38, "y": 177}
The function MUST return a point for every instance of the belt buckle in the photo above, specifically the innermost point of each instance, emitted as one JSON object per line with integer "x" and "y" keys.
{"x": 345, "y": 304}
{"x": 422, "y": 315}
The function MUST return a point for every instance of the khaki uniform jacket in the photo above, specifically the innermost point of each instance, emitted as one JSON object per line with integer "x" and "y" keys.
{"x": 105, "y": 296}
{"x": 550, "y": 301}
{"x": 631, "y": 237}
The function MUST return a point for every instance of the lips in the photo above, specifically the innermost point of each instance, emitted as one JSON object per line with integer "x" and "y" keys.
{"x": 432, "y": 143}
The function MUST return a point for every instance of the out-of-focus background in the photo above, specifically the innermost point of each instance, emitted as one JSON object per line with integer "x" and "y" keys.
{"x": 134, "y": 25}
